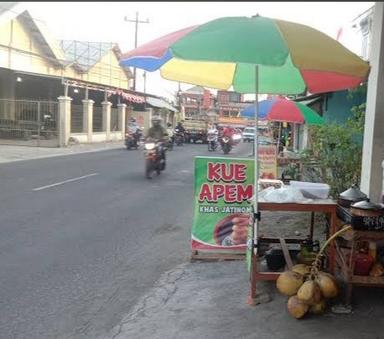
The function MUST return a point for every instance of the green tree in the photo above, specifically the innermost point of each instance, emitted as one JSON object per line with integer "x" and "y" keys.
{"x": 335, "y": 152}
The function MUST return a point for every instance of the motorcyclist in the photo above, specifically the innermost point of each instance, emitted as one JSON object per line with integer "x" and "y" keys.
{"x": 157, "y": 132}
{"x": 170, "y": 132}
{"x": 212, "y": 136}
{"x": 134, "y": 129}
{"x": 212, "y": 129}
{"x": 179, "y": 133}
{"x": 180, "y": 127}
{"x": 132, "y": 125}
{"x": 228, "y": 132}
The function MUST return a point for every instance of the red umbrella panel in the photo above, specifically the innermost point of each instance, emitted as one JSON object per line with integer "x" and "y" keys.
{"x": 283, "y": 110}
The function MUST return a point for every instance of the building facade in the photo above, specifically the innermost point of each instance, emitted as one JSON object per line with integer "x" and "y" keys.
{"x": 39, "y": 76}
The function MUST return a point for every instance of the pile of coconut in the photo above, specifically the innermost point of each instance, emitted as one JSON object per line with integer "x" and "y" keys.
{"x": 309, "y": 288}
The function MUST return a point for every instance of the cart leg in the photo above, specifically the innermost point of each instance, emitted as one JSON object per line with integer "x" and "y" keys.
{"x": 252, "y": 290}
{"x": 348, "y": 294}
{"x": 332, "y": 250}
{"x": 312, "y": 225}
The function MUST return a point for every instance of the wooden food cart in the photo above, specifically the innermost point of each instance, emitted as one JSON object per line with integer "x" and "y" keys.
{"x": 320, "y": 206}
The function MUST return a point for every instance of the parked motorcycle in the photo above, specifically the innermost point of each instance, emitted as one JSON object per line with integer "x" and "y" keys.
{"x": 212, "y": 139}
{"x": 154, "y": 157}
{"x": 226, "y": 144}
{"x": 48, "y": 127}
{"x": 179, "y": 137}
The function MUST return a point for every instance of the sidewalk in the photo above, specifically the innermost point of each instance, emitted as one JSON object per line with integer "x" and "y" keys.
{"x": 10, "y": 153}
{"x": 208, "y": 300}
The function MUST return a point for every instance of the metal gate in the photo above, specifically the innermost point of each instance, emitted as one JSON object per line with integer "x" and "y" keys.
{"x": 30, "y": 123}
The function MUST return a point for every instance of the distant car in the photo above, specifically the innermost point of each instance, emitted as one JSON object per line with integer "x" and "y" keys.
{"x": 237, "y": 135}
{"x": 263, "y": 140}
{"x": 248, "y": 134}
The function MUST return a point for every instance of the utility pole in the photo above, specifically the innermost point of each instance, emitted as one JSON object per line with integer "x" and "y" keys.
{"x": 145, "y": 90}
{"x": 145, "y": 82}
{"x": 136, "y": 21}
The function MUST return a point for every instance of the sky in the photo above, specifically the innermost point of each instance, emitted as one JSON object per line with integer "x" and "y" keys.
{"x": 105, "y": 21}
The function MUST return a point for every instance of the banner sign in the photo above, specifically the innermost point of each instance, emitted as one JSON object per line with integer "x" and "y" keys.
{"x": 233, "y": 121}
{"x": 267, "y": 161}
{"x": 223, "y": 192}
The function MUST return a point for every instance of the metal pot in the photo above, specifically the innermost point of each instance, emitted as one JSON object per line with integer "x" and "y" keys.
{"x": 350, "y": 196}
{"x": 367, "y": 209}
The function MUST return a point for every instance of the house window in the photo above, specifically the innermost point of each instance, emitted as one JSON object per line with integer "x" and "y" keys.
{"x": 234, "y": 97}
{"x": 366, "y": 27}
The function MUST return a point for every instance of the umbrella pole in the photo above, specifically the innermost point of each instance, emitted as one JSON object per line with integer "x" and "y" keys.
{"x": 256, "y": 215}
{"x": 279, "y": 137}
{"x": 256, "y": 155}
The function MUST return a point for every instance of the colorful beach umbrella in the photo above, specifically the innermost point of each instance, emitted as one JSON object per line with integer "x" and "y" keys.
{"x": 222, "y": 53}
{"x": 283, "y": 110}
{"x": 252, "y": 55}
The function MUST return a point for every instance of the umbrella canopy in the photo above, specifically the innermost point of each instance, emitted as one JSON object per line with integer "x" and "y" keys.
{"x": 222, "y": 53}
{"x": 283, "y": 110}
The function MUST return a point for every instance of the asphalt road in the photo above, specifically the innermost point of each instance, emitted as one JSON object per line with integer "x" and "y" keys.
{"x": 82, "y": 237}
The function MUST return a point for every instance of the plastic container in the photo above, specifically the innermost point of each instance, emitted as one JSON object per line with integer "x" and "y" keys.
{"x": 312, "y": 190}
{"x": 275, "y": 258}
{"x": 372, "y": 250}
{"x": 363, "y": 263}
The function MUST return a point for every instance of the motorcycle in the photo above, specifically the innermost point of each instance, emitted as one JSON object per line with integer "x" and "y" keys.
{"x": 132, "y": 140}
{"x": 226, "y": 144}
{"x": 154, "y": 158}
{"x": 48, "y": 127}
{"x": 212, "y": 141}
{"x": 179, "y": 137}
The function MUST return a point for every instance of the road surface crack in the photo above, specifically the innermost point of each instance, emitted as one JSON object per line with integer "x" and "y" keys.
{"x": 161, "y": 293}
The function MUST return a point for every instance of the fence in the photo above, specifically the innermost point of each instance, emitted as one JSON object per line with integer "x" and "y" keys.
{"x": 28, "y": 122}
{"x": 76, "y": 118}
{"x": 114, "y": 119}
{"x": 97, "y": 119}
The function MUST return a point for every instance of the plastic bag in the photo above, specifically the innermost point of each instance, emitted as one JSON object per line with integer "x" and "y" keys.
{"x": 284, "y": 194}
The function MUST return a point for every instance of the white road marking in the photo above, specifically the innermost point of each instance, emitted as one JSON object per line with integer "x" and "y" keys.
{"x": 64, "y": 182}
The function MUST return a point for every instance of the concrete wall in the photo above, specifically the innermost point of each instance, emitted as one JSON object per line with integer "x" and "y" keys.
{"x": 20, "y": 51}
{"x": 82, "y": 138}
{"x": 108, "y": 72}
{"x": 373, "y": 148}
{"x": 338, "y": 106}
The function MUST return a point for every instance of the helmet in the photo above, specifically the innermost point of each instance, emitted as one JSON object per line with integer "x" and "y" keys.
{"x": 156, "y": 120}
{"x": 133, "y": 119}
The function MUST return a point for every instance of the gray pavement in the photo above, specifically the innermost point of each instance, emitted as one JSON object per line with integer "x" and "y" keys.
{"x": 10, "y": 153}
{"x": 208, "y": 299}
